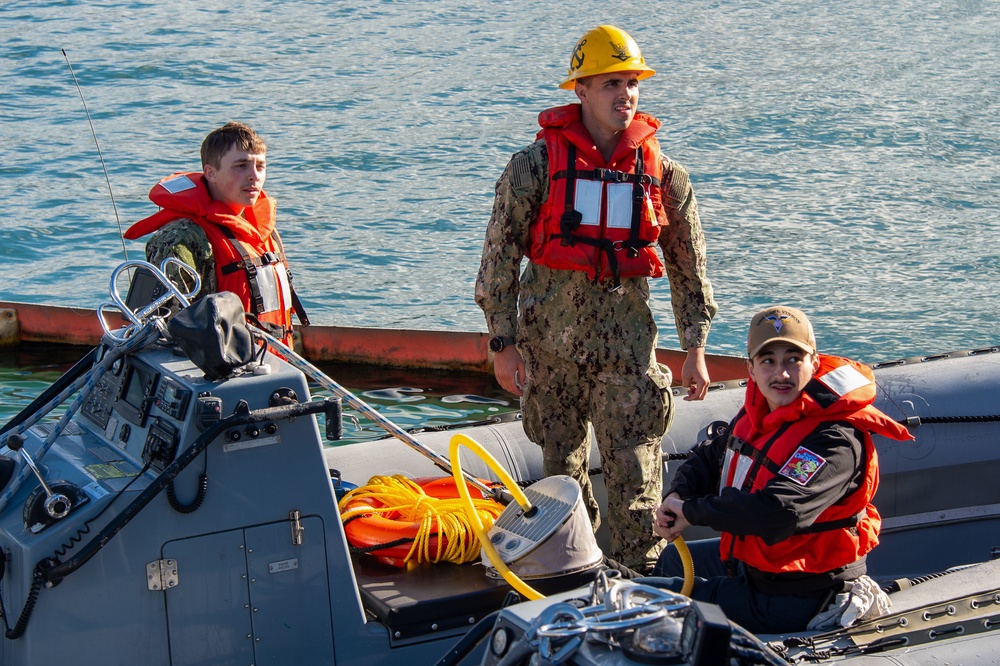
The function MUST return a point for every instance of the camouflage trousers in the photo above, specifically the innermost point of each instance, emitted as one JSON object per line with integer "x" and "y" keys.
{"x": 629, "y": 411}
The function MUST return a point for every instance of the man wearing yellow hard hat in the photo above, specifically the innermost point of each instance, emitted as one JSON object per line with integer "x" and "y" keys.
{"x": 587, "y": 204}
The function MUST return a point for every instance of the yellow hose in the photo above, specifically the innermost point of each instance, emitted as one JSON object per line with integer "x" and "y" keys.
{"x": 687, "y": 563}
{"x": 477, "y": 525}
{"x": 519, "y": 497}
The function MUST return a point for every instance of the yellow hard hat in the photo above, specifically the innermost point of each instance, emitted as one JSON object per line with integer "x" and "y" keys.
{"x": 603, "y": 50}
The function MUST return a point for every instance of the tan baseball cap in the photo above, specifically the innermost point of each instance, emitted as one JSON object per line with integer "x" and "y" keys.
{"x": 780, "y": 323}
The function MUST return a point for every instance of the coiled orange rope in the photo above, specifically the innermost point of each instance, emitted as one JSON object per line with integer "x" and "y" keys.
{"x": 429, "y": 516}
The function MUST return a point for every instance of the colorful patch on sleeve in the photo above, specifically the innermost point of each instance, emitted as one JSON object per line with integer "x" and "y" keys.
{"x": 802, "y": 466}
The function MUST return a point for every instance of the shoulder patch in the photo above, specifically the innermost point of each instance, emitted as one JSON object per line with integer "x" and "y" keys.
{"x": 680, "y": 182}
{"x": 802, "y": 466}
{"x": 520, "y": 173}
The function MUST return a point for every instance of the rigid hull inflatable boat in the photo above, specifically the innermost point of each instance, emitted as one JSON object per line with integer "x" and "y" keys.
{"x": 157, "y": 510}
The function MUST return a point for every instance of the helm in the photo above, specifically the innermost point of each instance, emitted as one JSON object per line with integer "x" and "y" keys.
{"x": 603, "y": 50}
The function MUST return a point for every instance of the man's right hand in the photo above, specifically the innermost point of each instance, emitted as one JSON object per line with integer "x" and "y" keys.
{"x": 508, "y": 366}
{"x": 669, "y": 521}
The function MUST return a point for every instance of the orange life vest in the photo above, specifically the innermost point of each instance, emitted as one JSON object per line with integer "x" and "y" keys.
{"x": 249, "y": 258}
{"x": 602, "y": 217}
{"x": 766, "y": 443}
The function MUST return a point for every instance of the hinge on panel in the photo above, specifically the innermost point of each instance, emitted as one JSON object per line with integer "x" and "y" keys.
{"x": 161, "y": 575}
{"x": 297, "y": 528}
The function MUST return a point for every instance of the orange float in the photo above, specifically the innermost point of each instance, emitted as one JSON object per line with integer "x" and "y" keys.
{"x": 404, "y": 522}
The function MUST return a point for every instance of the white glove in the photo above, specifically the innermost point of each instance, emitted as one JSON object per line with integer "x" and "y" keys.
{"x": 863, "y": 601}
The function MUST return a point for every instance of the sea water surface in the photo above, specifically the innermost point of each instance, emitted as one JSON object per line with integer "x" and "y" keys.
{"x": 844, "y": 154}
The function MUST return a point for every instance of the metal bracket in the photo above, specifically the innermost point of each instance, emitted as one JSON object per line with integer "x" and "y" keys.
{"x": 297, "y": 528}
{"x": 161, "y": 575}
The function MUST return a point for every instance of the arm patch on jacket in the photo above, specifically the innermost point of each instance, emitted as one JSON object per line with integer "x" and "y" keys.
{"x": 802, "y": 466}
{"x": 519, "y": 173}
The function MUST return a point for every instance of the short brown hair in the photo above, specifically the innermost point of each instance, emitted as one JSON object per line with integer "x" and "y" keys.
{"x": 219, "y": 141}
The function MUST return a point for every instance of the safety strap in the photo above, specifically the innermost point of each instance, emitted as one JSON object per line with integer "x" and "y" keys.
{"x": 638, "y": 194}
{"x": 572, "y": 218}
{"x": 840, "y": 523}
{"x": 760, "y": 458}
{"x": 297, "y": 307}
{"x": 250, "y": 265}
{"x": 744, "y": 448}
{"x": 605, "y": 175}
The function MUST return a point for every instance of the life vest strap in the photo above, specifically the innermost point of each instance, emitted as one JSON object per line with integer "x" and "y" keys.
{"x": 840, "y": 523}
{"x": 609, "y": 247}
{"x": 608, "y": 176}
{"x": 297, "y": 307}
{"x": 638, "y": 194}
{"x": 571, "y": 218}
{"x": 276, "y": 330}
{"x": 251, "y": 264}
{"x": 759, "y": 458}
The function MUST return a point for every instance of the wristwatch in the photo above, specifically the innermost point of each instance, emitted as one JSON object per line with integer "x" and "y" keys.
{"x": 499, "y": 343}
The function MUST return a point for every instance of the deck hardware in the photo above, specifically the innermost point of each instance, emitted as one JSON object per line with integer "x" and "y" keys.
{"x": 283, "y": 396}
{"x": 947, "y": 610}
{"x": 161, "y": 575}
{"x": 297, "y": 528}
{"x": 935, "y": 633}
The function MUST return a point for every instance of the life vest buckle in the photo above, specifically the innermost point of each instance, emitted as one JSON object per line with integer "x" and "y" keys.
{"x": 268, "y": 258}
{"x": 569, "y": 222}
{"x": 610, "y": 175}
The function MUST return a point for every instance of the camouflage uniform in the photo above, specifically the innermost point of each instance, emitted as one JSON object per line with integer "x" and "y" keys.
{"x": 590, "y": 354}
{"x": 185, "y": 240}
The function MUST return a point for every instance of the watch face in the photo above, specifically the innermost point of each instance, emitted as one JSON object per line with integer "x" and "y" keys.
{"x": 496, "y": 344}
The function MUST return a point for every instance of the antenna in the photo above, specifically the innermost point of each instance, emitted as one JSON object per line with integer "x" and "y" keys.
{"x": 121, "y": 233}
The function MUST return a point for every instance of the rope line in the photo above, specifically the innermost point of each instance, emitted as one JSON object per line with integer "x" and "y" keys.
{"x": 443, "y": 532}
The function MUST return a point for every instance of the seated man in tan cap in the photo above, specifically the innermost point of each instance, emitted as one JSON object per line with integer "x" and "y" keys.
{"x": 789, "y": 484}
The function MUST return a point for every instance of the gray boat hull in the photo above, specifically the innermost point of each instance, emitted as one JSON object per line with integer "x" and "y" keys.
{"x": 147, "y": 568}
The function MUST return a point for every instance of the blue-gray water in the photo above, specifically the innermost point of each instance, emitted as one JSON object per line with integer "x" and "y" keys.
{"x": 844, "y": 153}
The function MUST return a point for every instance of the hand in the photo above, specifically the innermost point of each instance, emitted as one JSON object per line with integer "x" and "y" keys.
{"x": 694, "y": 374}
{"x": 508, "y": 367}
{"x": 669, "y": 521}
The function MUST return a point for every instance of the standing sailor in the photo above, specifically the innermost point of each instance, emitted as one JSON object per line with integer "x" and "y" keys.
{"x": 587, "y": 203}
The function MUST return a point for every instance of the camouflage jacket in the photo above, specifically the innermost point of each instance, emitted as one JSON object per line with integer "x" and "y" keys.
{"x": 562, "y": 312}
{"x": 185, "y": 240}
